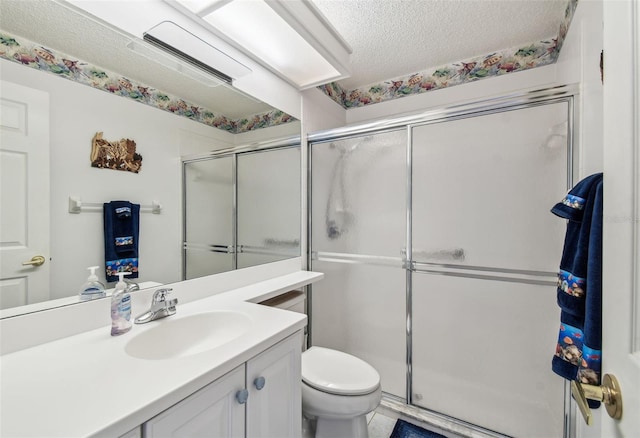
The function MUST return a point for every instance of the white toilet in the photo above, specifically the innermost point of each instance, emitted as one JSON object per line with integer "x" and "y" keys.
{"x": 338, "y": 389}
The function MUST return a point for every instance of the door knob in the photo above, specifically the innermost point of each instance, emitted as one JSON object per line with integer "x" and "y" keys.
{"x": 35, "y": 261}
{"x": 609, "y": 394}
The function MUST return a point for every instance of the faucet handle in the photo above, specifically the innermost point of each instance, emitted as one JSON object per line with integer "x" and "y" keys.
{"x": 161, "y": 294}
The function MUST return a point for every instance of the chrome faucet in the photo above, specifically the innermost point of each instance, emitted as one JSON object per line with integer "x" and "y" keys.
{"x": 160, "y": 307}
{"x": 131, "y": 286}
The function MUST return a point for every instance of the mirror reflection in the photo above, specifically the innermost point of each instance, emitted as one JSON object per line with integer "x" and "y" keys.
{"x": 248, "y": 196}
{"x": 66, "y": 77}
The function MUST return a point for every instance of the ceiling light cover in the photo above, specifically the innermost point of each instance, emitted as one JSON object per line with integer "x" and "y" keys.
{"x": 188, "y": 47}
{"x": 155, "y": 55}
{"x": 290, "y": 37}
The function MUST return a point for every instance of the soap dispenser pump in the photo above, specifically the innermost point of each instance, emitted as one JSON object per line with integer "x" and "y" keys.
{"x": 120, "y": 307}
{"x": 92, "y": 288}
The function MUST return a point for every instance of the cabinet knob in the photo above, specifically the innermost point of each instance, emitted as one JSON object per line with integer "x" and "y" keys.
{"x": 242, "y": 396}
{"x": 259, "y": 382}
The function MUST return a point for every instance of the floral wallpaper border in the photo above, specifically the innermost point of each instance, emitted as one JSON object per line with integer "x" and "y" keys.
{"x": 499, "y": 63}
{"x": 33, "y": 55}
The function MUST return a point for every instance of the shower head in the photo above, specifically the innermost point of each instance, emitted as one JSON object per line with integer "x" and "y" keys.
{"x": 346, "y": 146}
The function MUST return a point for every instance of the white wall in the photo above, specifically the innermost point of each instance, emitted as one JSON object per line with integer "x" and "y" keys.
{"x": 579, "y": 62}
{"x": 319, "y": 112}
{"x": 77, "y": 113}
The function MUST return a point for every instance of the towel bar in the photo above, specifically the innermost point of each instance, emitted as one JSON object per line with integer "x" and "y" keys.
{"x": 76, "y": 206}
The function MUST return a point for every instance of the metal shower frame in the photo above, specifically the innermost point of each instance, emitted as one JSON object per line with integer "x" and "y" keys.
{"x": 509, "y": 102}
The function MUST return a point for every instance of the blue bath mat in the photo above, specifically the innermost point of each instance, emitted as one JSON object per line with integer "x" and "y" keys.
{"x": 403, "y": 429}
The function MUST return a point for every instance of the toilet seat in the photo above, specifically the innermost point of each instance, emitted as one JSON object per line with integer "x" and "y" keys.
{"x": 339, "y": 373}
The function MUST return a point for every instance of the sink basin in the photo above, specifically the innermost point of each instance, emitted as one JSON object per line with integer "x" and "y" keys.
{"x": 175, "y": 337}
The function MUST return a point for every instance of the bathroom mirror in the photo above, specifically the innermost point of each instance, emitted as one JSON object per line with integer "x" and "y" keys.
{"x": 169, "y": 110}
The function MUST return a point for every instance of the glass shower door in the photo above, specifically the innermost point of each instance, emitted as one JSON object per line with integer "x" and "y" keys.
{"x": 358, "y": 203}
{"x": 209, "y": 216}
{"x": 268, "y": 206}
{"x": 485, "y": 251}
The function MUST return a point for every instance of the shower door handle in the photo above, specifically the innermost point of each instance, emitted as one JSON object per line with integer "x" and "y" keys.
{"x": 457, "y": 254}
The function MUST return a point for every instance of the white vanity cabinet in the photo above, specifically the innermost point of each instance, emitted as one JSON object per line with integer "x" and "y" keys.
{"x": 233, "y": 406}
{"x": 212, "y": 411}
{"x": 274, "y": 408}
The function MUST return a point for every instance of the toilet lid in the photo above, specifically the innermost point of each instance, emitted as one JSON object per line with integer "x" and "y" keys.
{"x": 339, "y": 373}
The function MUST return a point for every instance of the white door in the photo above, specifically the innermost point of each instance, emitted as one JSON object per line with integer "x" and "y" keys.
{"x": 24, "y": 194}
{"x": 621, "y": 239}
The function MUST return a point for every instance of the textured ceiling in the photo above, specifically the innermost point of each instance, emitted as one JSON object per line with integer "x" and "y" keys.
{"x": 391, "y": 38}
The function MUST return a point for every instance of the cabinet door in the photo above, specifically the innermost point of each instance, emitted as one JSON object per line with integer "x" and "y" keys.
{"x": 211, "y": 412}
{"x": 274, "y": 408}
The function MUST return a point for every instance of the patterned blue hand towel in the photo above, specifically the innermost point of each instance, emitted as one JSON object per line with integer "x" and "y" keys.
{"x": 121, "y": 230}
{"x": 579, "y": 293}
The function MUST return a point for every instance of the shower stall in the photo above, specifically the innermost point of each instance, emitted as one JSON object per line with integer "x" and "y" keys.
{"x": 440, "y": 257}
{"x": 241, "y": 208}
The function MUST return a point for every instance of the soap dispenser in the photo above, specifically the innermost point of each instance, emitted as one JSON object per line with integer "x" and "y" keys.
{"x": 93, "y": 288}
{"x": 120, "y": 307}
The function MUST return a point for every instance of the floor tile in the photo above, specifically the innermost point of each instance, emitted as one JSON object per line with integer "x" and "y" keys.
{"x": 381, "y": 426}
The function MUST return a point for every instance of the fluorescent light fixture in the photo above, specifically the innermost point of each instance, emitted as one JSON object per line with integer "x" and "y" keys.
{"x": 150, "y": 52}
{"x": 184, "y": 45}
{"x": 290, "y": 37}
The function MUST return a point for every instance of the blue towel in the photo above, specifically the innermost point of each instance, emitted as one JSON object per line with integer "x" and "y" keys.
{"x": 578, "y": 352}
{"x": 403, "y": 429}
{"x": 121, "y": 230}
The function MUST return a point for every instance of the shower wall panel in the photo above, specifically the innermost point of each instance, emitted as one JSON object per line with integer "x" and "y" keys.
{"x": 268, "y": 192}
{"x": 482, "y": 353}
{"x": 358, "y": 205}
{"x": 485, "y": 185}
{"x": 485, "y": 252}
{"x": 361, "y": 310}
{"x": 208, "y": 215}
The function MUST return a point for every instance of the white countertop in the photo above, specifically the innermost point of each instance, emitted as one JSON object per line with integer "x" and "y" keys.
{"x": 87, "y": 385}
